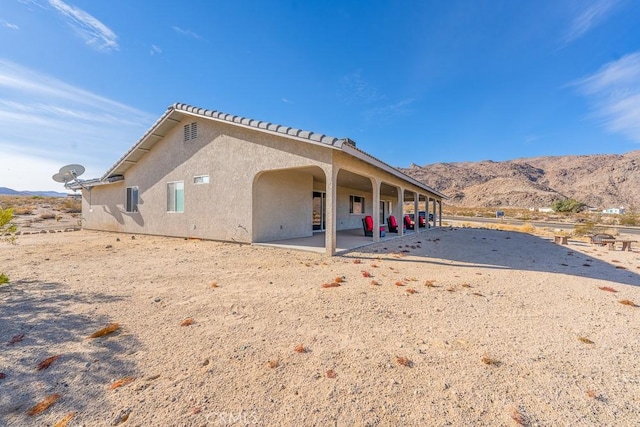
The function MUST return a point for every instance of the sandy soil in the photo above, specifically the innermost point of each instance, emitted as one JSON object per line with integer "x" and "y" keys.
{"x": 513, "y": 330}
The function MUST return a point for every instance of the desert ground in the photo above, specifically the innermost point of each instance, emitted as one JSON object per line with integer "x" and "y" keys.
{"x": 454, "y": 326}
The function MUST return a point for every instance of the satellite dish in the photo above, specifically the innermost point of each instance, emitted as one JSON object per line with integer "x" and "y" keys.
{"x": 69, "y": 175}
{"x": 72, "y": 170}
{"x": 60, "y": 178}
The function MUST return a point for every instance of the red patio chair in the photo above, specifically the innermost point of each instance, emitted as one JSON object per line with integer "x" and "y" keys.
{"x": 407, "y": 222}
{"x": 393, "y": 225}
{"x": 367, "y": 225}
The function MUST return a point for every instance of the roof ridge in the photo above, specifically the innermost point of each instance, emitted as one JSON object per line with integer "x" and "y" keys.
{"x": 263, "y": 125}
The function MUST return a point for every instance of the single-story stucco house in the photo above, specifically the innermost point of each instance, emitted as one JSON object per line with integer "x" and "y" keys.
{"x": 200, "y": 173}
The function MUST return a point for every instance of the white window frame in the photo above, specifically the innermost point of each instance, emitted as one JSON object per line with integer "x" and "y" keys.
{"x": 131, "y": 199}
{"x": 174, "y": 190}
{"x": 352, "y": 204}
{"x": 201, "y": 179}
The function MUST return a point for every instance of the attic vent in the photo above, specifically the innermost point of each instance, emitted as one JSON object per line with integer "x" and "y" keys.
{"x": 190, "y": 131}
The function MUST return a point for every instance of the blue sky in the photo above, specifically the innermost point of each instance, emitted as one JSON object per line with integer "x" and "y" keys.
{"x": 410, "y": 81}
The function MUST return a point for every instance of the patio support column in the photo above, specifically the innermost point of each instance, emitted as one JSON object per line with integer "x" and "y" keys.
{"x": 427, "y": 211}
{"x": 331, "y": 175}
{"x": 398, "y": 212}
{"x": 416, "y": 212}
{"x": 440, "y": 213}
{"x": 375, "y": 185}
{"x": 434, "y": 214}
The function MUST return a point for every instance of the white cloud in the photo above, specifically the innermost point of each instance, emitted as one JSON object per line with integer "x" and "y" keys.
{"x": 356, "y": 89}
{"x": 589, "y": 18}
{"x": 9, "y": 25}
{"x": 614, "y": 92}
{"x": 287, "y": 101}
{"x": 387, "y": 112}
{"x": 155, "y": 50}
{"x": 45, "y": 121}
{"x": 188, "y": 33}
{"x": 94, "y": 32}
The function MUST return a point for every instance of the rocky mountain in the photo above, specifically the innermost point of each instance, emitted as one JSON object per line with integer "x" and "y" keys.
{"x": 4, "y": 191}
{"x": 600, "y": 181}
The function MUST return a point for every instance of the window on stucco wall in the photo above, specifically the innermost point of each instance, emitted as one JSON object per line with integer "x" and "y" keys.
{"x": 131, "y": 202}
{"x": 356, "y": 204}
{"x": 175, "y": 196}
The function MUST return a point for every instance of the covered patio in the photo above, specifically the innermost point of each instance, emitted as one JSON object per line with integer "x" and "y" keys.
{"x": 346, "y": 240}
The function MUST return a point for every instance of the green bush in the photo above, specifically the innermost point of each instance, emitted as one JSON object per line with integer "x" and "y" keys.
{"x": 3, "y": 279}
{"x": 7, "y": 229}
{"x": 567, "y": 205}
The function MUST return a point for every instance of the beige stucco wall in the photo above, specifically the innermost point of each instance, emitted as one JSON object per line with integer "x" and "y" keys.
{"x": 220, "y": 210}
{"x": 283, "y": 205}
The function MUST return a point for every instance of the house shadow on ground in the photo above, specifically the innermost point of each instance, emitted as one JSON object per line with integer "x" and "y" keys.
{"x": 41, "y": 319}
{"x": 507, "y": 250}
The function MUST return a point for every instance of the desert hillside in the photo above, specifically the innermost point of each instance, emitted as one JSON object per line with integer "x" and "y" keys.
{"x": 600, "y": 181}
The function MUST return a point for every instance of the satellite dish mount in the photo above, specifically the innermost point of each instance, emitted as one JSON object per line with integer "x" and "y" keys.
{"x": 69, "y": 175}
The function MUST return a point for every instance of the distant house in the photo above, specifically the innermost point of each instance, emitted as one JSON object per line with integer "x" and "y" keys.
{"x": 615, "y": 211}
{"x": 205, "y": 174}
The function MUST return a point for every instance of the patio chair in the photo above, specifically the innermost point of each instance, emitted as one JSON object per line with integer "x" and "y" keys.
{"x": 393, "y": 224}
{"x": 367, "y": 225}
{"x": 407, "y": 222}
{"x": 422, "y": 223}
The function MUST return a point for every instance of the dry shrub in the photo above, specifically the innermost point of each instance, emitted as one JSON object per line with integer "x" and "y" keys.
{"x": 607, "y": 288}
{"x": 71, "y": 206}
{"x": 47, "y": 215}
{"x": 65, "y": 420}
{"x": 331, "y": 373}
{"x": 628, "y": 302}
{"x": 121, "y": 382}
{"x": 214, "y": 285}
{"x": 43, "y": 405}
{"x": 478, "y": 294}
{"x": 300, "y": 348}
{"x": 47, "y": 362}
{"x": 109, "y": 329}
{"x": 375, "y": 283}
{"x": 187, "y": 322}
{"x": 339, "y": 279}
{"x": 366, "y": 274}
{"x": 374, "y": 265}
{"x": 23, "y": 210}
{"x": 466, "y": 285}
{"x": 357, "y": 261}
{"x": 430, "y": 284}
{"x": 585, "y": 340}
{"x": 399, "y": 283}
{"x": 411, "y": 291}
{"x": 592, "y": 394}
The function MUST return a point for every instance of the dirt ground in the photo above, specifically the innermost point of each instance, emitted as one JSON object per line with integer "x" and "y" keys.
{"x": 456, "y": 326}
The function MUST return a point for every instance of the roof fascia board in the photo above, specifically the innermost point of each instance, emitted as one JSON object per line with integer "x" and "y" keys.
{"x": 148, "y": 134}
{"x": 385, "y": 167}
